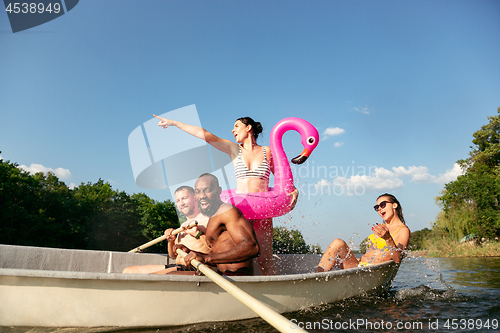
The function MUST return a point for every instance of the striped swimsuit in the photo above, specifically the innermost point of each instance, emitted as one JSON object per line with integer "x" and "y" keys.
{"x": 262, "y": 171}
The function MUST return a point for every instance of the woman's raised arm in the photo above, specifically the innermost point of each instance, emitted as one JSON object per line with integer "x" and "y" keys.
{"x": 226, "y": 146}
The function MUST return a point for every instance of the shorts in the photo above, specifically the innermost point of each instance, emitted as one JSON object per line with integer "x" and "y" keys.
{"x": 243, "y": 271}
{"x": 181, "y": 268}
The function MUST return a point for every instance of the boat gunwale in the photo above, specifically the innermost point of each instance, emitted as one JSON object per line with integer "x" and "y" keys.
{"x": 75, "y": 275}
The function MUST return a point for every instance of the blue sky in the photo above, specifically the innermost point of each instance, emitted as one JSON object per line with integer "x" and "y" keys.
{"x": 396, "y": 89}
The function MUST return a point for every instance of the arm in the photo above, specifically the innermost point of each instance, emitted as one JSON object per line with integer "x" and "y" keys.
{"x": 242, "y": 233}
{"x": 171, "y": 239}
{"x": 270, "y": 158}
{"x": 396, "y": 244}
{"x": 226, "y": 146}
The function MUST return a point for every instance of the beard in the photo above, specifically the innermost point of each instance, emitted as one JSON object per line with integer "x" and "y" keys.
{"x": 188, "y": 211}
{"x": 211, "y": 209}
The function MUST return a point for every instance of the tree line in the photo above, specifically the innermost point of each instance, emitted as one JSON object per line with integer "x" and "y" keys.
{"x": 41, "y": 210}
{"x": 470, "y": 204}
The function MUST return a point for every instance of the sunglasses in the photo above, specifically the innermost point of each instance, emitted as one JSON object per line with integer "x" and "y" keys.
{"x": 381, "y": 205}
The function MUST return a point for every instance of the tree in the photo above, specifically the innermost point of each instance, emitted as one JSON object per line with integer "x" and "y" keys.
{"x": 120, "y": 222}
{"x": 155, "y": 218}
{"x": 291, "y": 241}
{"x": 470, "y": 203}
{"x": 419, "y": 238}
{"x": 36, "y": 210}
{"x": 40, "y": 210}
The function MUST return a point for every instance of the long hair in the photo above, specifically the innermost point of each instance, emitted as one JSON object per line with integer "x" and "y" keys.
{"x": 256, "y": 126}
{"x": 399, "y": 209}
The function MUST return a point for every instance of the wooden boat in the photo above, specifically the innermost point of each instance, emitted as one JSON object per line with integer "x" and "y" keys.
{"x": 74, "y": 288}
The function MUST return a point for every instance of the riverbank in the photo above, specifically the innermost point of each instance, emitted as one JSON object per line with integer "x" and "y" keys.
{"x": 443, "y": 248}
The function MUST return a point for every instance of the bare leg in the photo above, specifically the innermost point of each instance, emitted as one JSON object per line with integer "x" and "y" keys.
{"x": 264, "y": 232}
{"x": 143, "y": 269}
{"x": 174, "y": 271}
{"x": 337, "y": 255}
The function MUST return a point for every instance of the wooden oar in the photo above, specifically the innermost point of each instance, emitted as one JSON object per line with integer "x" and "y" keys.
{"x": 264, "y": 311}
{"x": 162, "y": 238}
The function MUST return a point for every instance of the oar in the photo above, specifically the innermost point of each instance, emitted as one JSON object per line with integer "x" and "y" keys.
{"x": 264, "y": 311}
{"x": 162, "y": 238}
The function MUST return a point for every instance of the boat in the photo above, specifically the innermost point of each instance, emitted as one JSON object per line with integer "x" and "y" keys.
{"x": 49, "y": 287}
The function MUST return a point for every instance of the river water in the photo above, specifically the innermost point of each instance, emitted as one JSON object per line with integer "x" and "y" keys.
{"x": 428, "y": 295}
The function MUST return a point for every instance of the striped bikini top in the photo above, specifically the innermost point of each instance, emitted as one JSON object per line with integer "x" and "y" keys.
{"x": 262, "y": 171}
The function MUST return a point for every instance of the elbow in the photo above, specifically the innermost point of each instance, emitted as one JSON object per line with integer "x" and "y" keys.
{"x": 397, "y": 257}
{"x": 255, "y": 250}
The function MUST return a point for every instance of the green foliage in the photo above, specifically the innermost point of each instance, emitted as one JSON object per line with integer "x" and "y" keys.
{"x": 155, "y": 218}
{"x": 290, "y": 241}
{"x": 32, "y": 208}
{"x": 470, "y": 203}
{"x": 419, "y": 239}
{"x": 363, "y": 246}
{"x": 40, "y": 210}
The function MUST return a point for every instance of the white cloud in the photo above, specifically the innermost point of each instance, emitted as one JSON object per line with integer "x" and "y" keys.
{"x": 61, "y": 173}
{"x": 363, "y": 110}
{"x": 332, "y": 131}
{"x": 450, "y": 175}
{"x": 322, "y": 183}
{"x": 411, "y": 171}
{"x": 382, "y": 179}
{"x": 421, "y": 174}
{"x": 418, "y": 174}
{"x": 339, "y": 144}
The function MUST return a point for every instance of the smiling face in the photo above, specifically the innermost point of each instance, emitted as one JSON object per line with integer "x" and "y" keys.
{"x": 389, "y": 211}
{"x": 207, "y": 193}
{"x": 186, "y": 203}
{"x": 240, "y": 131}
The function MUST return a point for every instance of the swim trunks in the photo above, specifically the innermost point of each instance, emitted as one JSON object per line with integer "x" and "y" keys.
{"x": 181, "y": 268}
{"x": 243, "y": 271}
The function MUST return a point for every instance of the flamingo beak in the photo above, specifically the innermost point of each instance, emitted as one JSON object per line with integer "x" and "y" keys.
{"x": 302, "y": 157}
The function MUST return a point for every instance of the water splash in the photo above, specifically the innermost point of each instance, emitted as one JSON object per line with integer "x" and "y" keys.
{"x": 424, "y": 292}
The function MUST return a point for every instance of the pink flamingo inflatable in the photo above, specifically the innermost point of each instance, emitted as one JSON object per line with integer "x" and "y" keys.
{"x": 276, "y": 201}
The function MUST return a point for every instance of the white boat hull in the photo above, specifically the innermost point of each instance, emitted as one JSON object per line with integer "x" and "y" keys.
{"x": 32, "y": 296}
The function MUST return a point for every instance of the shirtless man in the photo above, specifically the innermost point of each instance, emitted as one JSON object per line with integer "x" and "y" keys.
{"x": 192, "y": 238}
{"x": 229, "y": 235}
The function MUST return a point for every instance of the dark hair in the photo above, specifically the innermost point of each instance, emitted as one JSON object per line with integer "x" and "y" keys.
{"x": 399, "y": 209}
{"x": 186, "y": 188}
{"x": 256, "y": 126}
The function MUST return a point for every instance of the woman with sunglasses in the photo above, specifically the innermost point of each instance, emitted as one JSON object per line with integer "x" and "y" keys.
{"x": 387, "y": 242}
{"x": 252, "y": 166}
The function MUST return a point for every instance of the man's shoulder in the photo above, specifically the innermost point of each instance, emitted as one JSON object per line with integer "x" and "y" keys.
{"x": 227, "y": 211}
{"x": 226, "y": 208}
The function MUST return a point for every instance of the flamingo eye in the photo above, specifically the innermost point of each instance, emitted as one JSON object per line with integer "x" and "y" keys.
{"x": 311, "y": 140}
